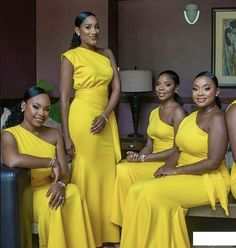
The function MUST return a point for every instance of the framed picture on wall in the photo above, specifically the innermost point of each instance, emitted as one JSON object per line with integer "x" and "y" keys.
{"x": 224, "y": 45}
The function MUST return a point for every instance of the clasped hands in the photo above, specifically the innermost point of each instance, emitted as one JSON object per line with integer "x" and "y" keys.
{"x": 133, "y": 157}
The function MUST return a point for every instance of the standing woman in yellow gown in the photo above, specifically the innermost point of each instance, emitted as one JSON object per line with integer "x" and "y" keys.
{"x": 89, "y": 125}
{"x": 231, "y": 125}
{"x": 194, "y": 175}
{"x": 58, "y": 208}
{"x": 163, "y": 125}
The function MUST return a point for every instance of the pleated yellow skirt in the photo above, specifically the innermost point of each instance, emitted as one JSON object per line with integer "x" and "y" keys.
{"x": 127, "y": 175}
{"x": 67, "y": 226}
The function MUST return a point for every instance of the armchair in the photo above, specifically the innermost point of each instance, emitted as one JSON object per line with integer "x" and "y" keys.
{"x": 16, "y": 208}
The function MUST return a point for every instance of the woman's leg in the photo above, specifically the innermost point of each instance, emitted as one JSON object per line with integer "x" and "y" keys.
{"x": 67, "y": 226}
{"x": 155, "y": 211}
{"x": 233, "y": 180}
{"x": 128, "y": 174}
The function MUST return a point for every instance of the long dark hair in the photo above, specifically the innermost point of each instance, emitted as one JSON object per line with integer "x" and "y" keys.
{"x": 17, "y": 116}
{"x": 214, "y": 79}
{"x": 175, "y": 77}
{"x": 75, "y": 41}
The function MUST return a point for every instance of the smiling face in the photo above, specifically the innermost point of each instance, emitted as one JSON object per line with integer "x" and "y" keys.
{"x": 36, "y": 110}
{"x": 88, "y": 31}
{"x": 204, "y": 92}
{"x": 165, "y": 87}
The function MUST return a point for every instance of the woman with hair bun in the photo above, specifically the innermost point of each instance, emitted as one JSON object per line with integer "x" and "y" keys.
{"x": 89, "y": 124}
{"x": 163, "y": 125}
{"x": 194, "y": 175}
{"x": 58, "y": 207}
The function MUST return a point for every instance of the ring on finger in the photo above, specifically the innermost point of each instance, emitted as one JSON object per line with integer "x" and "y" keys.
{"x": 61, "y": 197}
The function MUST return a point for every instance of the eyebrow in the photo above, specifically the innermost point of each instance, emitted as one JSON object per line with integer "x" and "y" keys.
{"x": 40, "y": 104}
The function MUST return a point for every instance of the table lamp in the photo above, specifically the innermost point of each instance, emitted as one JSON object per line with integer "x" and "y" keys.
{"x": 135, "y": 82}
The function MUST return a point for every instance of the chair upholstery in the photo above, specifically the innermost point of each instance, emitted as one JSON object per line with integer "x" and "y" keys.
{"x": 16, "y": 208}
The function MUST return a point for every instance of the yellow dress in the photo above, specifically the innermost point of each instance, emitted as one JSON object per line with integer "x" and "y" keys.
{"x": 93, "y": 168}
{"x": 129, "y": 173}
{"x": 233, "y": 169}
{"x": 155, "y": 211}
{"x": 67, "y": 226}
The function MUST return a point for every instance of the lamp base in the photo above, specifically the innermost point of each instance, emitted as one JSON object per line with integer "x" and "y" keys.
{"x": 135, "y": 135}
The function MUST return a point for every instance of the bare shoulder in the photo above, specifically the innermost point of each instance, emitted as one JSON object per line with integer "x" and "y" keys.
{"x": 51, "y": 134}
{"x": 106, "y": 52}
{"x": 7, "y": 136}
{"x": 217, "y": 118}
{"x": 231, "y": 110}
{"x": 178, "y": 111}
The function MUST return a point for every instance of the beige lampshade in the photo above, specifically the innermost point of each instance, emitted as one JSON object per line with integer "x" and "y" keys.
{"x": 136, "y": 80}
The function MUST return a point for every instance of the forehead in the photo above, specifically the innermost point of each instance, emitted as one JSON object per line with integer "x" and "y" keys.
{"x": 165, "y": 77}
{"x": 203, "y": 80}
{"x": 90, "y": 20}
{"x": 42, "y": 99}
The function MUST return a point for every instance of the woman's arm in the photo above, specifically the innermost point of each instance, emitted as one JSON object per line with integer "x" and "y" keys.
{"x": 65, "y": 87}
{"x": 100, "y": 121}
{"x": 231, "y": 126}
{"x": 12, "y": 158}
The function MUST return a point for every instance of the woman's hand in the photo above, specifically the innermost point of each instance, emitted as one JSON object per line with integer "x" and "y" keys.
{"x": 69, "y": 147}
{"x": 132, "y": 157}
{"x": 57, "y": 193}
{"x": 165, "y": 171}
{"x": 98, "y": 124}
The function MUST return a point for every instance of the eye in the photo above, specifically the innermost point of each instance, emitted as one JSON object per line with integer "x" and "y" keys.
{"x": 35, "y": 106}
{"x": 97, "y": 27}
{"x": 47, "y": 110}
{"x": 194, "y": 89}
{"x": 207, "y": 88}
{"x": 168, "y": 84}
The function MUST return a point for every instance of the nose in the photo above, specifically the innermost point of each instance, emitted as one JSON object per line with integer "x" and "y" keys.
{"x": 93, "y": 30}
{"x": 41, "y": 112}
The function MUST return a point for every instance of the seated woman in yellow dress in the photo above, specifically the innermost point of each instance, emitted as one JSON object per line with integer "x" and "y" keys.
{"x": 231, "y": 125}
{"x": 58, "y": 207}
{"x": 194, "y": 175}
{"x": 163, "y": 124}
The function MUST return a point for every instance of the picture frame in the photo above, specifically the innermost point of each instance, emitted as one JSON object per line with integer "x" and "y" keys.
{"x": 224, "y": 46}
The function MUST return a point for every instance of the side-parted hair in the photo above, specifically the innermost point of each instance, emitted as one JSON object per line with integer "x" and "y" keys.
{"x": 75, "y": 41}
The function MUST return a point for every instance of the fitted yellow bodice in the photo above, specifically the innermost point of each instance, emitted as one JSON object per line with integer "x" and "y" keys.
{"x": 161, "y": 133}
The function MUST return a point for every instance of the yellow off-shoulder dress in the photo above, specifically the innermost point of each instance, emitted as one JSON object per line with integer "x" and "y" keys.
{"x": 155, "y": 210}
{"x": 67, "y": 226}
{"x": 233, "y": 169}
{"x": 128, "y": 173}
{"x": 94, "y": 166}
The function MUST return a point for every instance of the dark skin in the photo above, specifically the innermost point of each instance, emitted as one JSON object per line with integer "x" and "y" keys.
{"x": 170, "y": 112}
{"x": 36, "y": 111}
{"x": 231, "y": 126}
{"x": 88, "y": 31}
{"x": 211, "y": 120}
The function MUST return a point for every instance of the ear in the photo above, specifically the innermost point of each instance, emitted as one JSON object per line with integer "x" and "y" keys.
{"x": 77, "y": 31}
{"x": 176, "y": 89}
{"x": 217, "y": 92}
{"x": 23, "y": 104}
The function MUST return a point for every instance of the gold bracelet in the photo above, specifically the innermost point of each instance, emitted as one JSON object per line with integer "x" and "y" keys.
{"x": 104, "y": 116}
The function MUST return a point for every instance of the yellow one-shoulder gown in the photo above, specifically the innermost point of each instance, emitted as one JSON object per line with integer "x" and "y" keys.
{"x": 67, "y": 226}
{"x": 155, "y": 210}
{"x": 94, "y": 166}
{"x": 233, "y": 169}
{"x": 129, "y": 173}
